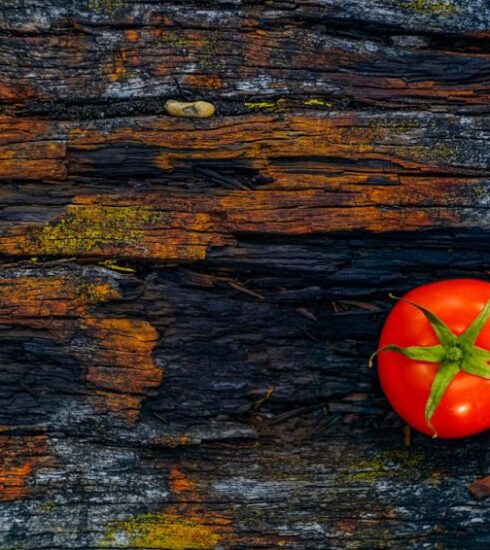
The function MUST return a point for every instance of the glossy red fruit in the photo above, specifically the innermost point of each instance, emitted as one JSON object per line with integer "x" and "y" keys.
{"x": 435, "y": 372}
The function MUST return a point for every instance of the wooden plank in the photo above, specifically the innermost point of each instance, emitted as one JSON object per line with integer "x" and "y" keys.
{"x": 451, "y": 17}
{"x": 317, "y": 436}
{"x": 187, "y": 307}
{"x": 323, "y": 68}
{"x": 410, "y": 172}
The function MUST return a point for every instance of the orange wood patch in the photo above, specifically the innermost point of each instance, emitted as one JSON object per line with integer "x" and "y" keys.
{"x": 117, "y": 354}
{"x": 31, "y": 149}
{"x": 123, "y": 368}
{"x": 20, "y": 457}
{"x": 185, "y": 227}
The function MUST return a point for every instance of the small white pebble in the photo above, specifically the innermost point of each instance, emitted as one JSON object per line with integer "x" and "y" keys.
{"x": 190, "y": 109}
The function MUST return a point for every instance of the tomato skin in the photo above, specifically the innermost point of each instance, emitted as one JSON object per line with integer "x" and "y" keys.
{"x": 465, "y": 408}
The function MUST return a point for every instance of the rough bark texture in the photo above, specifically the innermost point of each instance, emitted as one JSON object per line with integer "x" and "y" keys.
{"x": 187, "y": 306}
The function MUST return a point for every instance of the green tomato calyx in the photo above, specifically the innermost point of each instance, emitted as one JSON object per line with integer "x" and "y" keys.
{"x": 454, "y": 354}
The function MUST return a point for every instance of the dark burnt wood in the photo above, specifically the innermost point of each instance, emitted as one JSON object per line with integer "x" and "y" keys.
{"x": 187, "y": 306}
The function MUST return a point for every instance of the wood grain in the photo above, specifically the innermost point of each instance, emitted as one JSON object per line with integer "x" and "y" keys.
{"x": 187, "y": 306}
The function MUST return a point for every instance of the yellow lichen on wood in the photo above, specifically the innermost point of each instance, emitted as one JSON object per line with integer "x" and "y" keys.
{"x": 108, "y": 7}
{"x": 87, "y": 229}
{"x": 264, "y": 104}
{"x": 441, "y": 7}
{"x": 318, "y": 103}
{"x": 385, "y": 464}
{"x": 91, "y": 229}
{"x": 167, "y": 230}
{"x": 176, "y": 39}
{"x": 112, "y": 264}
{"x": 159, "y": 531}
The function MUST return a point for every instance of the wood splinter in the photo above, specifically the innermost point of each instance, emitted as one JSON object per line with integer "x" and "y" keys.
{"x": 189, "y": 109}
{"x": 480, "y": 488}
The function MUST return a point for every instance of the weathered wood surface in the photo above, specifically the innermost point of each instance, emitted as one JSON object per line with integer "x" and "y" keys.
{"x": 187, "y": 306}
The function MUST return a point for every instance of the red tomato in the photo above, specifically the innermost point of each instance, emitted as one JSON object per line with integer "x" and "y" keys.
{"x": 465, "y": 406}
